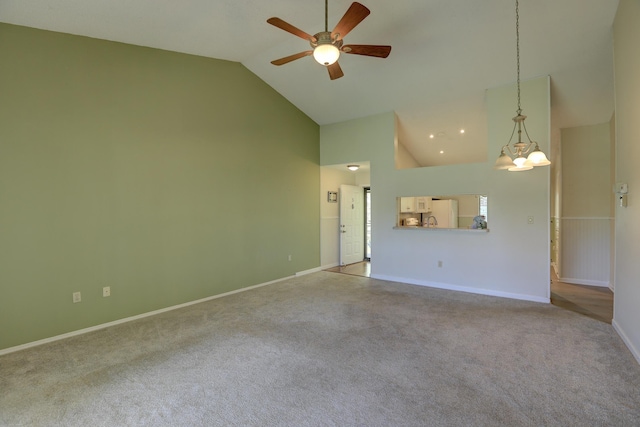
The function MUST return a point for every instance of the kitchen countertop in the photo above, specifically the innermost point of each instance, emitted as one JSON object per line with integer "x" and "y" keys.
{"x": 419, "y": 227}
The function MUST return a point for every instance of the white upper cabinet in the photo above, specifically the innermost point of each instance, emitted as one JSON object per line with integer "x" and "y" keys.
{"x": 407, "y": 204}
{"x": 423, "y": 204}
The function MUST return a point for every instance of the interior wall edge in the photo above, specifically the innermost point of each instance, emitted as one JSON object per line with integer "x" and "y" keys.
{"x": 627, "y": 341}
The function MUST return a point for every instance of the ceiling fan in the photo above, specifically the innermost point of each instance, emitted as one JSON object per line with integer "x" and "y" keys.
{"x": 328, "y": 45}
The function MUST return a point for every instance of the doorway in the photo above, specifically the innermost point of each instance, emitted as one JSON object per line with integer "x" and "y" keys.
{"x": 362, "y": 269}
{"x": 592, "y": 301}
{"x": 352, "y": 224}
{"x": 367, "y": 224}
{"x": 362, "y": 266}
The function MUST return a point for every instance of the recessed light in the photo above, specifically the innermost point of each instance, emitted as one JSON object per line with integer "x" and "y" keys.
{"x": 461, "y": 130}
{"x": 432, "y": 136}
{"x": 441, "y": 152}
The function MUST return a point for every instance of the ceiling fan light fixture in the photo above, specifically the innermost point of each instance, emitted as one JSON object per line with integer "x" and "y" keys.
{"x": 326, "y": 46}
{"x": 326, "y": 54}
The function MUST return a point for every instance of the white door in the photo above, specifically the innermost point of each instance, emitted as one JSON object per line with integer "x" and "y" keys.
{"x": 351, "y": 224}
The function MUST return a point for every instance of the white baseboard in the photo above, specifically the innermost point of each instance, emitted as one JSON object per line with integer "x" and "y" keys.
{"x": 312, "y": 270}
{"x": 627, "y": 341}
{"x": 462, "y": 288}
{"x": 328, "y": 266}
{"x": 129, "y": 319}
{"x": 584, "y": 282}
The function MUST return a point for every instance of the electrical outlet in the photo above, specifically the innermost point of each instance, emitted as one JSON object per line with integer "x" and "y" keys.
{"x": 106, "y": 291}
{"x": 439, "y": 263}
{"x": 77, "y": 297}
{"x": 289, "y": 257}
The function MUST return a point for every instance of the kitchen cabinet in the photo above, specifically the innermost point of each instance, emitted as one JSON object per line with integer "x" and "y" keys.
{"x": 423, "y": 204}
{"x": 407, "y": 204}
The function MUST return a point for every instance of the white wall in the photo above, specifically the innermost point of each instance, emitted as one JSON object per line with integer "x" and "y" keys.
{"x": 363, "y": 178}
{"x": 586, "y": 205}
{"x": 513, "y": 258}
{"x": 404, "y": 159}
{"x": 586, "y": 174}
{"x": 556, "y": 200}
{"x": 626, "y": 312}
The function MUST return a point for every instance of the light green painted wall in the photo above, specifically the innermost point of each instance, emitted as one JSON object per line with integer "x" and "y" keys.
{"x": 166, "y": 176}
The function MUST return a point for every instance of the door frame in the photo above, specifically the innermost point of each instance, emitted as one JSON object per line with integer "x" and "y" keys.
{"x": 347, "y": 225}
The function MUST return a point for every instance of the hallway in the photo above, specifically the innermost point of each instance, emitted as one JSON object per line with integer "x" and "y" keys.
{"x": 593, "y": 301}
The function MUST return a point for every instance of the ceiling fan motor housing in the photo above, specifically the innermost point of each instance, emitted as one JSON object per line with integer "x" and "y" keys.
{"x": 324, "y": 37}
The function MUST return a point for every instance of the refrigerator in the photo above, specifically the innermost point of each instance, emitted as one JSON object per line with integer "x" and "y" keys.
{"x": 446, "y": 213}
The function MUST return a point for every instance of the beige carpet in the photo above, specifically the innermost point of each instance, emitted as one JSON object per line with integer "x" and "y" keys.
{"x": 332, "y": 350}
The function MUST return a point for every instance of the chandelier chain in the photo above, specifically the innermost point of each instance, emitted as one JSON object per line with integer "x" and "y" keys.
{"x": 518, "y": 53}
{"x": 515, "y": 160}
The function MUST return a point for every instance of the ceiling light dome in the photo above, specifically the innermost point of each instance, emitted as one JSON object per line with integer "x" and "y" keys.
{"x": 326, "y": 54}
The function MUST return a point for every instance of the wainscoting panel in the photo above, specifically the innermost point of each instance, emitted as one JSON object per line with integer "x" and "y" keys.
{"x": 585, "y": 251}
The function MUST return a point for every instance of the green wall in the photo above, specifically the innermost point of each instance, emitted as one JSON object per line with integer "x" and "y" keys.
{"x": 166, "y": 176}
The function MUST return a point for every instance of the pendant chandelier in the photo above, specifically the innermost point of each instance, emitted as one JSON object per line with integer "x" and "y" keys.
{"x": 512, "y": 156}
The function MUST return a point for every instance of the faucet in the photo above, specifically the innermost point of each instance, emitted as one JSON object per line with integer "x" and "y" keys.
{"x": 435, "y": 221}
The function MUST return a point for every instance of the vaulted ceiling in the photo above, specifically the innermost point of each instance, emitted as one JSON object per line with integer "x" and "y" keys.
{"x": 445, "y": 54}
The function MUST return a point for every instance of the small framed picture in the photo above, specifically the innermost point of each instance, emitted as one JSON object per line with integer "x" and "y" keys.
{"x": 332, "y": 197}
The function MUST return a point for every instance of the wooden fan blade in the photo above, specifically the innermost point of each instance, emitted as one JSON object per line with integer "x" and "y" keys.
{"x": 335, "y": 72}
{"x": 367, "y": 50}
{"x": 293, "y": 57}
{"x": 277, "y": 22}
{"x": 352, "y": 17}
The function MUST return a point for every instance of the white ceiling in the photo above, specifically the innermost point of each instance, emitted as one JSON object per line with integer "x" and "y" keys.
{"x": 445, "y": 54}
